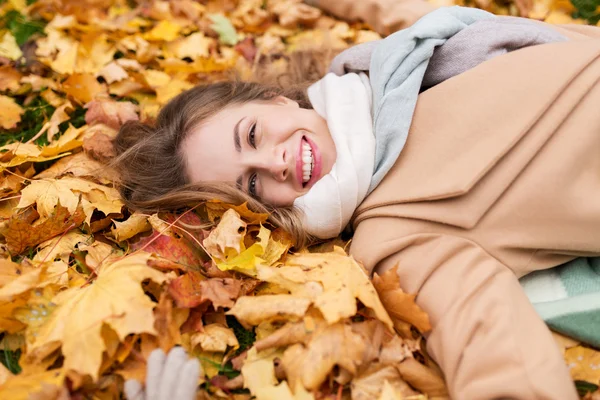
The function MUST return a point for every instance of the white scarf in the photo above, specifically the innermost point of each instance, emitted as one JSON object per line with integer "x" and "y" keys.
{"x": 345, "y": 102}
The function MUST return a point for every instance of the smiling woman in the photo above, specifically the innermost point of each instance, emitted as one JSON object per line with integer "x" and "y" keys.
{"x": 276, "y": 150}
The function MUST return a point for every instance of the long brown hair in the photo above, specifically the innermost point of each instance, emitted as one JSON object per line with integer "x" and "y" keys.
{"x": 149, "y": 158}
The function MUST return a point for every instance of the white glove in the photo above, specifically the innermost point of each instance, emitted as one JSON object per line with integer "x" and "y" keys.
{"x": 168, "y": 377}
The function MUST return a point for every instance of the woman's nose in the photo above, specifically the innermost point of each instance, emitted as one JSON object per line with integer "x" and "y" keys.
{"x": 278, "y": 166}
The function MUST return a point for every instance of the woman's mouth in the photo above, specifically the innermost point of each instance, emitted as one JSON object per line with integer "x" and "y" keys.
{"x": 308, "y": 166}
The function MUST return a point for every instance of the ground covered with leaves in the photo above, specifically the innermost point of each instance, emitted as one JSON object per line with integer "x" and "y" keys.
{"x": 89, "y": 288}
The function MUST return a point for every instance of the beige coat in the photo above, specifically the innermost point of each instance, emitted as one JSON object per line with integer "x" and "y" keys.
{"x": 385, "y": 16}
{"x": 500, "y": 176}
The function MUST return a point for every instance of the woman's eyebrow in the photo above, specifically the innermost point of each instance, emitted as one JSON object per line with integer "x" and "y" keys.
{"x": 236, "y": 136}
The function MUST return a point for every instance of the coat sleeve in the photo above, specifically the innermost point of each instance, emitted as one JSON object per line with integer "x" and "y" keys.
{"x": 486, "y": 335}
{"x": 385, "y": 16}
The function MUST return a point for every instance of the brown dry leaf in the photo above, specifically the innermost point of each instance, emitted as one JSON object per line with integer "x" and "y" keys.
{"x": 168, "y": 321}
{"x": 9, "y": 78}
{"x": 422, "y": 378}
{"x": 21, "y": 233}
{"x": 399, "y": 304}
{"x": 110, "y": 112}
{"x": 115, "y": 298}
{"x": 10, "y": 112}
{"x": 79, "y": 165}
{"x": 216, "y": 209}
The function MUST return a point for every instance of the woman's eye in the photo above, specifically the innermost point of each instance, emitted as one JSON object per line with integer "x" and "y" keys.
{"x": 252, "y": 136}
{"x": 252, "y": 186}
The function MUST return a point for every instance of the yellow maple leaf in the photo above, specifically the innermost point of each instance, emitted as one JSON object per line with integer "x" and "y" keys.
{"x": 115, "y": 298}
{"x": 332, "y": 281}
{"x": 10, "y": 112}
{"x": 46, "y": 193}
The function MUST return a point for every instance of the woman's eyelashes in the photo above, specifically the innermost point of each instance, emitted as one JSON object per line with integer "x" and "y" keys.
{"x": 252, "y": 186}
{"x": 252, "y": 135}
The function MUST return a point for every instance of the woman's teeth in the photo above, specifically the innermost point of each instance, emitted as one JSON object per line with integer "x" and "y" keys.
{"x": 307, "y": 162}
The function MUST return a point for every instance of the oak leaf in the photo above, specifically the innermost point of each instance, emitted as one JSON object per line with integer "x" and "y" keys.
{"x": 114, "y": 298}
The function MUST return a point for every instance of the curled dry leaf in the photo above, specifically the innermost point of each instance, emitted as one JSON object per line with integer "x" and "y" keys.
{"x": 136, "y": 223}
{"x": 399, "y": 304}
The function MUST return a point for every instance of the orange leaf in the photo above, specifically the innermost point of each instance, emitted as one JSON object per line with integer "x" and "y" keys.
{"x": 20, "y": 232}
{"x": 83, "y": 87}
{"x": 397, "y": 303}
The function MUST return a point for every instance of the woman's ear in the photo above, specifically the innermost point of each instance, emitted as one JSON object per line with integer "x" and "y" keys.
{"x": 284, "y": 101}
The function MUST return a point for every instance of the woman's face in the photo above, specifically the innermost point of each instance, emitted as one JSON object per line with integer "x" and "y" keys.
{"x": 273, "y": 150}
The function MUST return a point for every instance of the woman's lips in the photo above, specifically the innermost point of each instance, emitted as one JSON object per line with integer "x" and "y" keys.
{"x": 318, "y": 163}
{"x": 316, "y": 171}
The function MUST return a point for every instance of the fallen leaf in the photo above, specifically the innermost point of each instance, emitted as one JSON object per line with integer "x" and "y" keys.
{"x": 20, "y": 234}
{"x": 110, "y": 112}
{"x": 583, "y": 364}
{"x": 226, "y": 31}
{"x": 9, "y": 47}
{"x": 10, "y": 114}
{"x": 335, "y": 345}
{"x": 254, "y": 310}
{"x": 399, "y": 304}
{"x": 21, "y": 387}
{"x": 368, "y": 385}
{"x": 215, "y": 337}
{"x": 136, "y": 223}
{"x": 229, "y": 234}
{"x": 83, "y": 87}
{"x": 115, "y": 298}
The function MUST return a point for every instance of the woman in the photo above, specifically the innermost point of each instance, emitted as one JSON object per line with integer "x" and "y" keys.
{"x": 465, "y": 167}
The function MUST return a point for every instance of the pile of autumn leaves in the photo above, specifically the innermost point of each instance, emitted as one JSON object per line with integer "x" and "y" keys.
{"x": 88, "y": 289}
